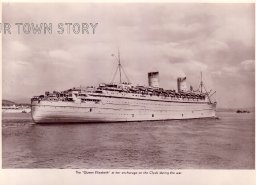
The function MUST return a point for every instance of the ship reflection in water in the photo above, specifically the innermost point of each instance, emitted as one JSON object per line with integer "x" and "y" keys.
{"x": 225, "y": 143}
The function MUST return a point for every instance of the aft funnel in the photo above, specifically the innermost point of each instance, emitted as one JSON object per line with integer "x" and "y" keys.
{"x": 153, "y": 79}
{"x": 181, "y": 83}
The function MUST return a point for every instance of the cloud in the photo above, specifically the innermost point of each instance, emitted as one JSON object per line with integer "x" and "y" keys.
{"x": 248, "y": 65}
{"x": 174, "y": 39}
{"x": 15, "y": 49}
{"x": 60, "y": 54}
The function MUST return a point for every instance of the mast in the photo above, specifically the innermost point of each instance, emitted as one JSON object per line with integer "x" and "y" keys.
{"x": 119, "y": 67}
{"x": 201, "y": 83}
{"x": 206, "y": 92}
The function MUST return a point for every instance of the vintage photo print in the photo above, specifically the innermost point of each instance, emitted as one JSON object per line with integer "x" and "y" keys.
{"x": 141, "y": 87}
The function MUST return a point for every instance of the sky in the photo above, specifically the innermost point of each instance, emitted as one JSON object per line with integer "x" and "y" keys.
{"x": 175, "y": 39}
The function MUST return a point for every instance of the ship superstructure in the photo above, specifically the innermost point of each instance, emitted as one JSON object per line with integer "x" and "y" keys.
{"x": 115, "y": 102}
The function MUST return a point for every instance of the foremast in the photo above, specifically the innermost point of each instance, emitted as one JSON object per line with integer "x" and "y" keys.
{"x": 119, "y": 69}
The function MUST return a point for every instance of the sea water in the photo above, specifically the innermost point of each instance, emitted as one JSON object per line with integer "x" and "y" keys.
{"x": 225, "y": 143}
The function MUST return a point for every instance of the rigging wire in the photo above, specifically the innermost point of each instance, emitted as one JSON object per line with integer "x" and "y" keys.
{"x": 125, "y": 74}
{"x": 120, "y": 69}
{"x": 114, "y": 76}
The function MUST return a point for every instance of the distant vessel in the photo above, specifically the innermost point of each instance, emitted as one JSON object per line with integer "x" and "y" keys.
{"x": 117, "y": 102}
{"x": 16, "y": 109}
{"x": 242, "y": 111}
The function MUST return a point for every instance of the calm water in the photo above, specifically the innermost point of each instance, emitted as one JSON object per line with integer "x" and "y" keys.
{"x": 227, "y": 143}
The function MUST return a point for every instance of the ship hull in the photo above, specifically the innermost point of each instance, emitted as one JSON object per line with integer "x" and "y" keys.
{"x": 116, "y": 110}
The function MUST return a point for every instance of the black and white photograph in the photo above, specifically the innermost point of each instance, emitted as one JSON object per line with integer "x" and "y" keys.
{"x": 128, "y": 86}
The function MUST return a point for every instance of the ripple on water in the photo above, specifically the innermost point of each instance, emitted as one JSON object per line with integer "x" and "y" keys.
{"x": 225, "y": 143}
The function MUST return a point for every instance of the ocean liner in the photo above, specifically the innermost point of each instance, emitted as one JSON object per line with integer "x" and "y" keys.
{"x": 122, "y": 102}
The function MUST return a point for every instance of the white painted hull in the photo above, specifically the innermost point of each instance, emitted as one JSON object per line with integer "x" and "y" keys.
{"x": 119, "y": 109}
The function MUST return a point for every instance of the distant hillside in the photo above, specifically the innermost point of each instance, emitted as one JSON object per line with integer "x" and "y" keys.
{"x": 8, "y": 103}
